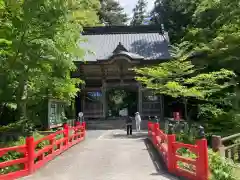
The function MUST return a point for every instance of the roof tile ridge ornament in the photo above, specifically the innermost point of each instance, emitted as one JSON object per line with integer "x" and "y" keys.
{"x": 119, "y": 49}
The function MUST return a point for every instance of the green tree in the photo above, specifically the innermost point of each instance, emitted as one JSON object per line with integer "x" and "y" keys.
{"x": 111, "y": 13}
{"x": 39, "y": 42}
{"x": 215, "y": 33}
{"x": 139, "y": 13}
{"x": 179, "y": 78}
{"x": 175, "y": 15}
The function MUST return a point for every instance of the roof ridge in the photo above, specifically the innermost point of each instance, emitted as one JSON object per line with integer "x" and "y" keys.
{"x": 121, "y": 29}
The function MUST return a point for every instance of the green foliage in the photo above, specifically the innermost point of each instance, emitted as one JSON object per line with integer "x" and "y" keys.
{"x": 12, "y": 127}
{"x": 185, "y": 137}
{"x": 16, "y": 155}
{"x": 214, "y": 31}
{"x": 111, "y": 13}
{"x": 39, "y": 42}
{"x": 221, "y": 168}
{"x": 119, "y": 99}
{"x": 230, "y": 121}
{"x": 184, "y": 152}
{"x": 179, "y": 78}
{"x": 175, "y": 15}
{"x": 139, "y": 13}
{"x": 209, "y": 111}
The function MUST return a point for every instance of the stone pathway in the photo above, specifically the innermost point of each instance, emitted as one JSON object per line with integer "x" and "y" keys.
{"x": 110, "y": 156}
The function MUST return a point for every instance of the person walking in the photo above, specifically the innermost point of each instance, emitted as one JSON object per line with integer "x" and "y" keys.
{"x": 129, "y": 125}
{"x": 138, "y": 121}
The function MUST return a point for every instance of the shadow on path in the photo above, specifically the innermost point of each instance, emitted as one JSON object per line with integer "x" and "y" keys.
{"x": 135, "y": 135}
{"x": 111, "y": 124}
{"x": 161, "y": 168}
{"x": 104, "y": 124}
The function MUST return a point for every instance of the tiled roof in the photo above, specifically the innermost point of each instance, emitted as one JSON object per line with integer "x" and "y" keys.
{"x": 148, "y": 45}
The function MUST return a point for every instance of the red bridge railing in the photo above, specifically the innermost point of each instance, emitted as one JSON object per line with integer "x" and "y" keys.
{"x": 34, "y": 158}
{"x": 168, "y": 147}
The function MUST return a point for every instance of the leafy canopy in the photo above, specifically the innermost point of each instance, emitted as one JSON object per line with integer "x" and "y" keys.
{"x": 180, "y": 78}
{"x": 111, "y": 13}
{"x": 139, "y": 13}
{"x": 39, "y": 42}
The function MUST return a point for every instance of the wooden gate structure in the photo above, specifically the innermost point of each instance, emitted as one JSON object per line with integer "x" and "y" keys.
{"x": 116, "y": 51}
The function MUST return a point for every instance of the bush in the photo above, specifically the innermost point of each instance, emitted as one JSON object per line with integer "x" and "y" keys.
{"x": 16, "y": 155}
{"x": 230, "y": 121}
{"x": 221, "y": 168}
{"x": 183, "y": 137}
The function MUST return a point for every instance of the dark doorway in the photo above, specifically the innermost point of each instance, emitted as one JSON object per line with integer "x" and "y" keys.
{"x": 122, "y": 98}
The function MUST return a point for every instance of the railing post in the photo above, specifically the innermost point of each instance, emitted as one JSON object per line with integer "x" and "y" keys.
{"x": 171, "y": 138}
{"x": 149, "y": 128}
{"x": 154, "y": 133}
{"x": 30, "y": 153}
{"x": 156, "y": 126}
{"x": 202, "y": 160}
{"x": 66, "y": 134}
{"x": 155, "y": 130}
{"x": 84, "y": 125}
{"x": 84, "y": 128}
{"x": 217, "y": 145}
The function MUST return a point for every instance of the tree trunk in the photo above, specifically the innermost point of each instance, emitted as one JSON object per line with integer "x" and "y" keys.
{"x": 237, "y": 97}
{"x": 185, "y": 109}
{"x": 21, "y": 99}
{"x": 186, "y": 116}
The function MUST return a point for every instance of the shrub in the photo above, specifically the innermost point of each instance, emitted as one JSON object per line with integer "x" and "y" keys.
{"x": 230, "y": 121}
{"x": 221, "y": 168}
{"x": 183, "y": 137}
{"x": 16, "y": 155}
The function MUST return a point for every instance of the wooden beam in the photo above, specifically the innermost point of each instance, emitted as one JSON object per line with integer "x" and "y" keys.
{"x": 109, "y": 77}
{"x": 103, "y": 71}
{"x": 104, "y": 98}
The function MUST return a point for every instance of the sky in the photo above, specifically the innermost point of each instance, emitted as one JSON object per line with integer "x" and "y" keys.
{"x": 128, "y": 5}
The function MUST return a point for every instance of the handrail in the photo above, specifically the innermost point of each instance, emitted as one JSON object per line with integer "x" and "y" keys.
{"x": 234, "y": 136}
{"x": 33, "y": 159}
{"x": 168, "y": 150}
{"x": 232, "y": 146}
{"x": 231, "y": 151}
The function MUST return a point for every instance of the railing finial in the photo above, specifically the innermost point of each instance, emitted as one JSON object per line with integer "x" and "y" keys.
{"x": 201, "y": 133}
{"x": 170, "y": 129}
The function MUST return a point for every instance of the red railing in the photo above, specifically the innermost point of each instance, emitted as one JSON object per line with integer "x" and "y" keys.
{"x": 34, "y": 157}
{"x": 168, "y": 148}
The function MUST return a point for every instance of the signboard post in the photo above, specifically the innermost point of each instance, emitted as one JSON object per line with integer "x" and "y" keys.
{"x": 80, "y": 117}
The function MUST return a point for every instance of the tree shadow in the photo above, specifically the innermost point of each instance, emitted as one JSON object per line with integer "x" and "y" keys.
{"x": 111, "y": 124}
{"x": 135, "y": 135}
{"x": 105, "y": 125}
{"x": 151, "y": 49}
{"x": 159, "y": 164}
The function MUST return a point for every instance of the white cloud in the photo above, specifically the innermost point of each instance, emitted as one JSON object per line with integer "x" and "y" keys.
{"x": 128, "y": 5}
